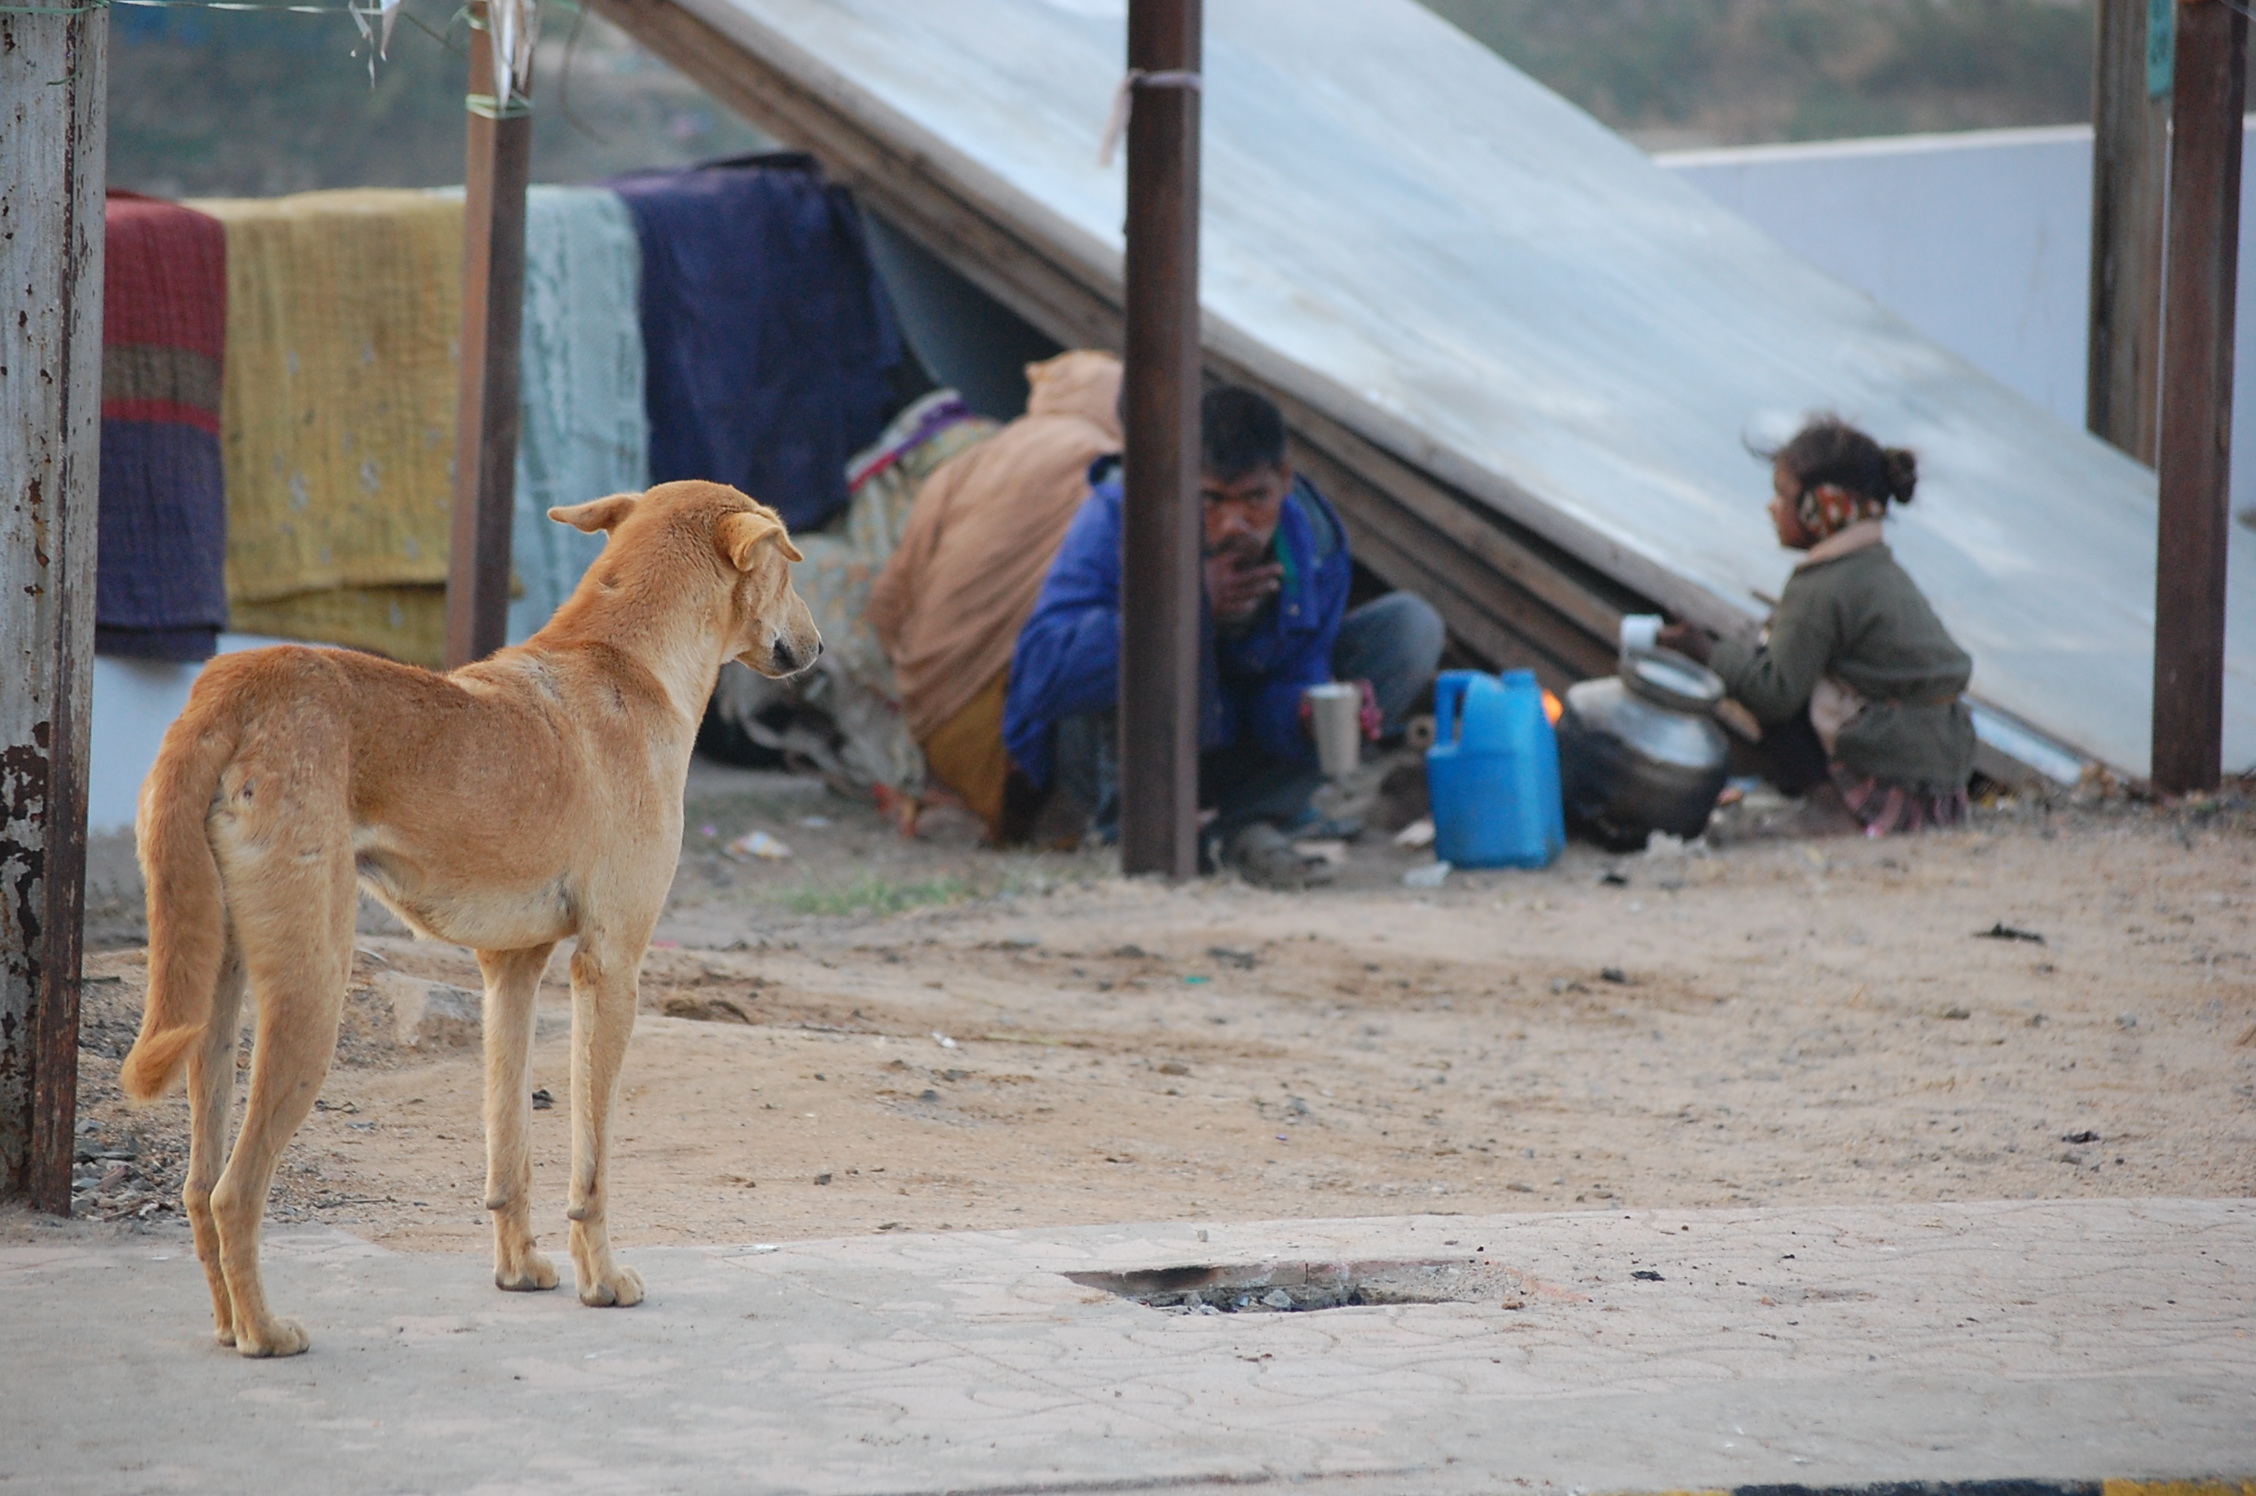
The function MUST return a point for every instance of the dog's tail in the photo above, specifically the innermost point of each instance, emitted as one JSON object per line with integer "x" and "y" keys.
{"x": 187, "y": 905}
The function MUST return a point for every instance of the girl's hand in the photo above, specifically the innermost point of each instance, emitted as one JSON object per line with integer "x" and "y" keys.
{"x": 1687, "y": 639}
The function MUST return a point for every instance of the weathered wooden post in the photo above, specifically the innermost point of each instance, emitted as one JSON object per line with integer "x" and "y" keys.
{"x": 53, "y": 134}
{"x": 2210, "y": 90}
{"x": 500, "y": 159}
{"x": 2130, "y": 167}
{"x": 1161, "y": 528}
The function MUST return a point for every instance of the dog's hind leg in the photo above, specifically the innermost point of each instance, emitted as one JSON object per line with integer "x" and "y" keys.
{"x": 512, "y": 984}
{"x": 211, "y": 1094}
{"x": 292, "y": 896}
{"x": 603, "y": 1011}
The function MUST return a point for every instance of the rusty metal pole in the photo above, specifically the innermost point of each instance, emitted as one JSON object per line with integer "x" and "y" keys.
{"x": 2210, "y": 91}
{"x": 53, "y": 130}
{"x": 2130, "y": 165}
{"x": 1160, "y": 592}
{"x": 500, "y": 159}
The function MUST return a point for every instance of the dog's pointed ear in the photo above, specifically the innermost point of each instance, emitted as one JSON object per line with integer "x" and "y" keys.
{"x": 741, "y": 531}
{"x": 597, "y": 514}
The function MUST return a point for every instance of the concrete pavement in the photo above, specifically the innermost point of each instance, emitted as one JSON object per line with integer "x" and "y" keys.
{"x": 2045, "y": 1341}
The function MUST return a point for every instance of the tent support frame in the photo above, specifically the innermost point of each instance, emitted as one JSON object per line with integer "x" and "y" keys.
{"x": 2210, "y": 92}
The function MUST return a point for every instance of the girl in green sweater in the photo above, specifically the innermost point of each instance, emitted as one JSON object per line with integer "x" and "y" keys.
{"x": 1856, "y": 683}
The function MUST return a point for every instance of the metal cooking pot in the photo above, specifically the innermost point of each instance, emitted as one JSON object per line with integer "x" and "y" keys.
{"x": 1640, "y": 751}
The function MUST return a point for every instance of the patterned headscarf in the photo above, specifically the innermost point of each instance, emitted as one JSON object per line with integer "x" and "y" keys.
{"x": 1827, "y": 509}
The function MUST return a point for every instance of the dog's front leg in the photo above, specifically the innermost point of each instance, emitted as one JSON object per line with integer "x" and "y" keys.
{"x": 512, "y": 985}
{"x": 603, "y": 1012}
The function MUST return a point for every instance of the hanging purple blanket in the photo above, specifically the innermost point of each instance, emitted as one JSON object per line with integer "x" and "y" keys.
{"x": 160, "y": 588}
{"x": 771, "y": 349}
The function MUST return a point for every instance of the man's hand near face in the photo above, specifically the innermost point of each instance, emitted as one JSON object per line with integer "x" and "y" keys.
{"x": 1238, "y": 582}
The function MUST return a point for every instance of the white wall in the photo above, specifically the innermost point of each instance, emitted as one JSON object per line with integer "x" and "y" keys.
{"x": 1981, "y": 240}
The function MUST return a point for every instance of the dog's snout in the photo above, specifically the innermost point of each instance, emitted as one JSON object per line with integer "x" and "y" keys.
{"x": 787, "y": 657}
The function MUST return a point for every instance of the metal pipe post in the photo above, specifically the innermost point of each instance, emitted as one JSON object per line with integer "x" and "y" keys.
{"x": 53, "y": 123}
{"x": 1160, "y": 595}
{"x": 500, "y": 159}
{"x": 2210, "y": 90}
{"x": 2130, "y": 165}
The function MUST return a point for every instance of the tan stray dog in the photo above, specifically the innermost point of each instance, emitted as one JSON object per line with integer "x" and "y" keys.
{"x": 529, "y": 797}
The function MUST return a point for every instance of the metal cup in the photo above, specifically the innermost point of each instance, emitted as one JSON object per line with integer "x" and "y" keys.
{"x": 1335, "y": 716}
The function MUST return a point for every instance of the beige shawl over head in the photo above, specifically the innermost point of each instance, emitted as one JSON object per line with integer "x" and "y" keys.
{"x": 985, "y": 528}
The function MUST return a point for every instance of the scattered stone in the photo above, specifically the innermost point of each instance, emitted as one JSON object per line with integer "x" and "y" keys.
{"x": 822, "y": 1179}
{"x": 1174, "y": 1067}
{"x": 763, "y": 845}
{"x": 1131, "y": 953}
{"x": 542, "y": 1101}
{"x": 1230, "y": 955}
{"x": 2126, "y": 1020}
{"x": 1647, "y": 1275}
{"x": 2086, "y": 1136}
{"x": 1432, "y": 875}
{"x": 92, "y": 1152}
{"x": 1955, "y": 1011}
{"x": 430, "y": 1015}
{"x": 928, "y": 1094}
{"x": 705, "y": 1009}
{"x": 2003, "y": 931}
{"x": 1615, "y": 975}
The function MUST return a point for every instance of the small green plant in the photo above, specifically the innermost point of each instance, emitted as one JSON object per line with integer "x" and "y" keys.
{"x": 871, "y": 894}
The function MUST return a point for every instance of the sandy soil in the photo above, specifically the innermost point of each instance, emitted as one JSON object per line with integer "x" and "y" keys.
{"x": 1806, "y": 1023}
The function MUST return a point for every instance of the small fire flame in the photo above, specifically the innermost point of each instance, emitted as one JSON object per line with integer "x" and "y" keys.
{"x": 1553, "y": 708}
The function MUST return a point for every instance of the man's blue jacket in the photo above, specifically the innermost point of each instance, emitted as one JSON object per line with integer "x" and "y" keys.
{"x": 1068, "y": 657}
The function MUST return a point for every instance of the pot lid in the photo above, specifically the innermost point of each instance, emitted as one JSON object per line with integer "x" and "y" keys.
{"x": 1666, "y": 678}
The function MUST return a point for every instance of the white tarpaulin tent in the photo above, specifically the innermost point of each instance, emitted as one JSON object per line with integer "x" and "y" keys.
{"x": 1471, "y": 293}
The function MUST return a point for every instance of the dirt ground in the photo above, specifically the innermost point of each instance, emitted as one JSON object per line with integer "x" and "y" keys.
{"x": 878, "y": 1034}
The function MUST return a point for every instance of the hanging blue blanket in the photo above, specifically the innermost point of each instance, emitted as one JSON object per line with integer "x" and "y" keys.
{"x": 771, "y": 348}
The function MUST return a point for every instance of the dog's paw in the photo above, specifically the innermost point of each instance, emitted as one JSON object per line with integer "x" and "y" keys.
{"x": 617, "y": 1288}
{"x": 282, "y": 1337}
{"x": 532, "y": 1274}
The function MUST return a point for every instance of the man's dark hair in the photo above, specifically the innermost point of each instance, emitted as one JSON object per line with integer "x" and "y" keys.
{"x": 1239, "y": 430}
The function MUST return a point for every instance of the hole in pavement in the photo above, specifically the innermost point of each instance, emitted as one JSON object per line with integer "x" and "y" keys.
{"x": 1297, "y": 1287}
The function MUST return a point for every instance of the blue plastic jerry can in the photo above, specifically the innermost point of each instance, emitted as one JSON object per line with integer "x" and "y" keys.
{"x": 1493, "y": 772}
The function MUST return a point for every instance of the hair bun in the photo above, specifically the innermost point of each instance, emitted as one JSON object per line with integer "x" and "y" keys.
{"x": 1902, "y": 468}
